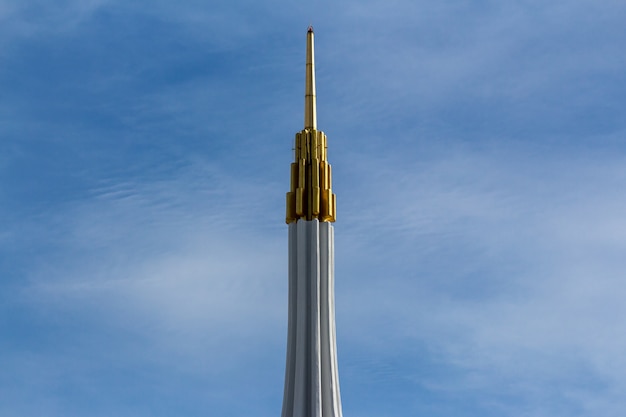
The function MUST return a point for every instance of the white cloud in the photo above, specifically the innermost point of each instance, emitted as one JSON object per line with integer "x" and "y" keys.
{"x": 508, "y": 265}
{"x": 181, "y": 257}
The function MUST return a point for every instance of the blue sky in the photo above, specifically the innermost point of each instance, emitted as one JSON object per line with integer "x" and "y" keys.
{"x": 479, "y": 158}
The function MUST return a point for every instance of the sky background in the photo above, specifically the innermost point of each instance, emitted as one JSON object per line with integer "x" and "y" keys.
{"x": 479, "y": 161}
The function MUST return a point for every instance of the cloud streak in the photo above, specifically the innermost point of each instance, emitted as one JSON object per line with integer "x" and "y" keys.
{"x": 508, "y": 273}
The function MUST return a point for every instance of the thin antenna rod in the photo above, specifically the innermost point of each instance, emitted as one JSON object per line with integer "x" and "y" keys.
{"x": 310, "y": 110}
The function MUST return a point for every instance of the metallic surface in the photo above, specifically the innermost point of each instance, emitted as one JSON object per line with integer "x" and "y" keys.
{"x": 311, "y": 377}
{"x": 310, "y": 195}
{"x": 310, "y": 107}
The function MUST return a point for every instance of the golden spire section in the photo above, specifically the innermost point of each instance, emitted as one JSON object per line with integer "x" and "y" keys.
{"x": 310, "y": 196}
{"x": 310, "y": 110}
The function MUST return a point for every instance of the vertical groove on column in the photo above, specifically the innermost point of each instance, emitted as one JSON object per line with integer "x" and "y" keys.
{"x": 324, "y": 307}
{"x": 314, "y": 316}
{"x": 301, "y": 385}
{"x": 337, "y": 412}
{"x": 291, "y": 326}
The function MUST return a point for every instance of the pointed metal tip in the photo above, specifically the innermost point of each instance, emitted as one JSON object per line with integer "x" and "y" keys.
{"x": 310, "y": 111}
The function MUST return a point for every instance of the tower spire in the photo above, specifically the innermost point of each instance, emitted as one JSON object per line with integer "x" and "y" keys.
{"x": 310, "y": 110}
{"x": 311, "y": 373}
{"x": 310, "y": 195}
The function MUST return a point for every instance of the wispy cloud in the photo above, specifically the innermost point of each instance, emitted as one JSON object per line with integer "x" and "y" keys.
{"x": 147, "y": 274}
{"x": 505, "y": 265}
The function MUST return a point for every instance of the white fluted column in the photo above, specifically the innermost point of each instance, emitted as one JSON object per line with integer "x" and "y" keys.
{"x": 311, "y": 377}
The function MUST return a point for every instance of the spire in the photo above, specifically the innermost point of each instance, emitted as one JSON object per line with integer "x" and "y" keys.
{"x": 310, "y": 195}
{"x": 310, "y": 111}
{"x": 311, "y": 372}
